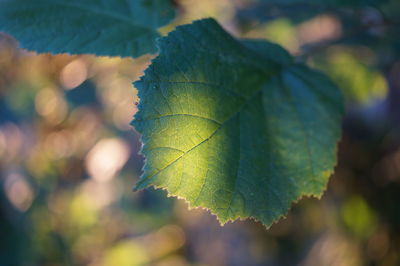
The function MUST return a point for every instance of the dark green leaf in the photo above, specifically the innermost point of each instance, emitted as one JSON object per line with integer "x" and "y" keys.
{"x": 110, "y": 28}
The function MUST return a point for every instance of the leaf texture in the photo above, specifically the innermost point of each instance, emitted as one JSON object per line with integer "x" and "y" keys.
{"x": 235, "y": 126}
{"x": 102, "y": 27}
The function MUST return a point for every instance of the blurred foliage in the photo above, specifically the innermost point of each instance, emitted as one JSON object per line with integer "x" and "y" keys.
{"x": 360, "y": 82}
{"x": 68, "y": 158}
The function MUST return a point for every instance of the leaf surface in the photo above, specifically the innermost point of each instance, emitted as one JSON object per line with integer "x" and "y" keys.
{"x": 235, "y": 126}
{"x": 102, "y": 27}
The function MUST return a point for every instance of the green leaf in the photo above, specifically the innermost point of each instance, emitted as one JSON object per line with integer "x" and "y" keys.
{"x": 235, "y": 127}
{"x": 101, "y": 27}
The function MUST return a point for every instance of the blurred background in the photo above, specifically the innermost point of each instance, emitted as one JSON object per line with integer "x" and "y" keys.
{"x": 69, "y": 159}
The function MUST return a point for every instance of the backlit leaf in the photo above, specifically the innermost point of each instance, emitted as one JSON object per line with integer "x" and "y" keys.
{"x": 235, "y": 126}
